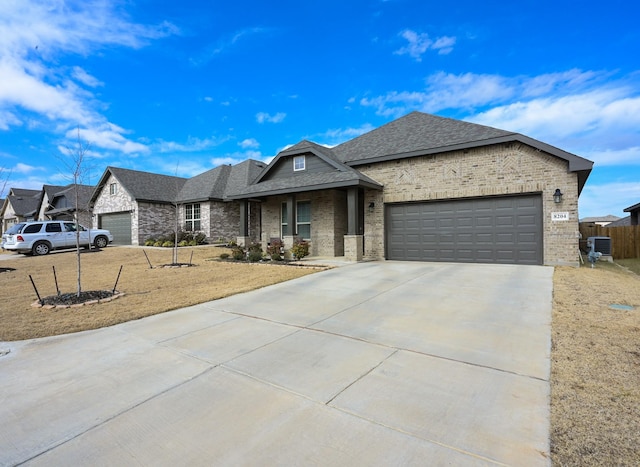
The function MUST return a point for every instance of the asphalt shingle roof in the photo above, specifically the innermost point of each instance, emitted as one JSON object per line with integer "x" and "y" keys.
{"x": 148, "y": 186}
{"x": 414, "y": 132}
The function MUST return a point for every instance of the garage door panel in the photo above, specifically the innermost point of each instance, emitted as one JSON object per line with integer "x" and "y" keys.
{"x": 119, "y": 224}
{"x": 491, "y": 230}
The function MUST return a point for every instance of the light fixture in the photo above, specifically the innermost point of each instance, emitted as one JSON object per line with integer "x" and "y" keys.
{"x": 372, "y": 205}
{"x": 557, "y": 196}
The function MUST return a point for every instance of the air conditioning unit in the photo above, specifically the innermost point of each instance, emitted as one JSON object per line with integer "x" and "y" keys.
{"x": 600, "y": 245}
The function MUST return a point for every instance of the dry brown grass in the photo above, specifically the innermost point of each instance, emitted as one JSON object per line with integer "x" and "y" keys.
{"x": 595, "y": 368}
{"x": 148, "y": 291}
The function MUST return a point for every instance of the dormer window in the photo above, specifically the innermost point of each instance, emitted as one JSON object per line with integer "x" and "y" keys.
{"x": 298, "y": 163}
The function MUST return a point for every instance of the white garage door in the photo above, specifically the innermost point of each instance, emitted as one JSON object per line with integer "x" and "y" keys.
{"x": 482, "y": 230}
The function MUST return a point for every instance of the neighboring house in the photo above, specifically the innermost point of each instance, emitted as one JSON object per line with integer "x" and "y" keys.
{"x": 59, "y": 203}
{"x": 426, "y": 188}
{"x": 622, "y": 222}
{"x": 136, "y": 206}
{"x": 634, "y": 214}
{"x": 601, "y": 220}
{"x": 20, "y": 205}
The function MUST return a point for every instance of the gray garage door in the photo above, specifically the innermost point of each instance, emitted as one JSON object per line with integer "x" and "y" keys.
{"x": 483, "y": 230}
{"x": 119, "y": 224}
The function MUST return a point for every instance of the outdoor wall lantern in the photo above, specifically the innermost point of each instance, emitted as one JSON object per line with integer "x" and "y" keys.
{"x": 557, "y": 196}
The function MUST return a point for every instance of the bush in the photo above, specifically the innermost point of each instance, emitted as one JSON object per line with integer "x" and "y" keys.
{"x": 254, "y": 256}
{"x": 224, "y": 255}
{"x": 274, "y": 249}
{"x": 192, "y": 243}
{"x": 183, "y": 243}
{"x": 149, "y": 242}
{"x": 300, "y": 249}
{"x": 157, "y": 243}
{"x": 238, "y": 253}
{"x": 167, "y": 244}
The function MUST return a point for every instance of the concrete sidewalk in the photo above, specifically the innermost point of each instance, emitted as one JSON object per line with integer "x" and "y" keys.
{"x": 368, "y": 364}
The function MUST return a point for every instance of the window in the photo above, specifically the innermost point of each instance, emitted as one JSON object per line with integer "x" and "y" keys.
{"x": 54, "y": 227}
{"x": 32, "y": 228}
{"x": 303, "y": 219}
{"x": 113, "y": 189}
{"x": 298, "y": 163}
{"x": 192, "y": 217}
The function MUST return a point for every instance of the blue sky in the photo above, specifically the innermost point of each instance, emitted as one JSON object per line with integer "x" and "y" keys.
{"x": 179, "y": 87}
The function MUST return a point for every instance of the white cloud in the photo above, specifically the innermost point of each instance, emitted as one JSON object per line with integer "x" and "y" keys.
{"x": 249, "y": 143}
{"x": 262, "y": 117}
{"x": 592, "y": 114}
{"x": 85, "y": 78}
{"x": 192, "y": 145}
{"x": 340, "y": 135}
{"x": 35, "y": 90}
{"x": 419, "y": 43}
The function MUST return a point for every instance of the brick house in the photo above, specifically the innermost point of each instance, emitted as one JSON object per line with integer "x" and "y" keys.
{"x": 425, "y": 188}
{"x": 136, "y": 206}
{"x": 59, "y": 203}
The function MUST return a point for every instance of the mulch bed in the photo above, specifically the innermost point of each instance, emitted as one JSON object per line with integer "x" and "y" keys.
{"x": 66, "y": 300}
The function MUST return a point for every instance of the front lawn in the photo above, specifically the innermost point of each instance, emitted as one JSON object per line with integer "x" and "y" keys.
{"x": 147, "y": 291}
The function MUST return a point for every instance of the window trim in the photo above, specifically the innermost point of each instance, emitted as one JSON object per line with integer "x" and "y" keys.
{"x": 297, "y": 159}
{"x": 190, "y": 217}
{"x": 113, "y": 188}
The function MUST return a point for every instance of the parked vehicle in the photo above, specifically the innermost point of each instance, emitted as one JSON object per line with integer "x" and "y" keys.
{"x": 10, "y": 231}
{"x": 40, "y": 237}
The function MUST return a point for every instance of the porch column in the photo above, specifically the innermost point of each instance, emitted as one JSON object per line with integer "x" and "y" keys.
{"x": 243, "y": 236}
{"x": 354, "y": 240}
{"x": 288, "y": 240}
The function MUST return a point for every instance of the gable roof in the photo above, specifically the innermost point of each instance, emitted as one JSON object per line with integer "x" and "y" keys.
{"x": 343, "y": 175}
{"x": 214, "y": 184}
{"x": 418, "y": 134}
{"x": 24, "y": 202}
{"x": 68, "y": 192}
{"x": 143, "y": 186}
{"x": 220, "y": 182}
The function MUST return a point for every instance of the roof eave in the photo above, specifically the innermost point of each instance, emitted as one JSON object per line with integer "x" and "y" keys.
{"x": 307, "y": 188}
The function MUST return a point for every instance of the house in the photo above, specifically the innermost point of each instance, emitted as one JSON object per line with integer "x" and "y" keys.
{"x": 20, "y": 205}
{"x": 601, "y": 220}
{"x": 634, "y": 214}
{"x": 622, "y": 222}
{"x": 59, "y": 203}
{"x": 425, "y": 188}
{"x": 136, "y": 206}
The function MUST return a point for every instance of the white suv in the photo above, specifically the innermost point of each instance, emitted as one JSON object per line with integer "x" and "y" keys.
{"x": 40, "y": 237}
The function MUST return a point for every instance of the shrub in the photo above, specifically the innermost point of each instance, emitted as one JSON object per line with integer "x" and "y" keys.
{"x": 238, "y": 253}
{"x": 183, "y": 243}
{"x": 200, "y": 238}
{"x": 224, "y": 255}
{"x": 157, "y": 243}
{"x": 149, "y": 242}
{"x": 192, "y": 242}
{"x": 167, "y": 244}
{"x": 275, "y": 248}
{"x": 300, "y": 249}
{"x": 254, "y": 256}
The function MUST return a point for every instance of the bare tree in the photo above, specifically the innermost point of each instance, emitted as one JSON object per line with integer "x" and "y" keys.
{"x": 77, "y": 169}
{"x": 4, "y": 180}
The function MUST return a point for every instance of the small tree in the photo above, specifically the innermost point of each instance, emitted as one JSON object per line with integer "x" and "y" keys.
{"x": 76, "y": 166}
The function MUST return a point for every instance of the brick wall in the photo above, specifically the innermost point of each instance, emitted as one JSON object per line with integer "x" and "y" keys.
{"x": 328, "y": 220}
{"x": 504, "y": 169}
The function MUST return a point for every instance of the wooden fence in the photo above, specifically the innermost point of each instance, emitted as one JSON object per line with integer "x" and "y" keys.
{"x": 625, "y": 240}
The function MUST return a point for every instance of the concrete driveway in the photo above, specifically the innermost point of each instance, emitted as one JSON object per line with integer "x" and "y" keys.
{"x": 383, "y": 363}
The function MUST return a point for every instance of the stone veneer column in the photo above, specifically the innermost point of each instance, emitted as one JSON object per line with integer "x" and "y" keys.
{"x": 353, "y": 247}
{"x": 288, "y": 241}
{"x": 243, "y": 241}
